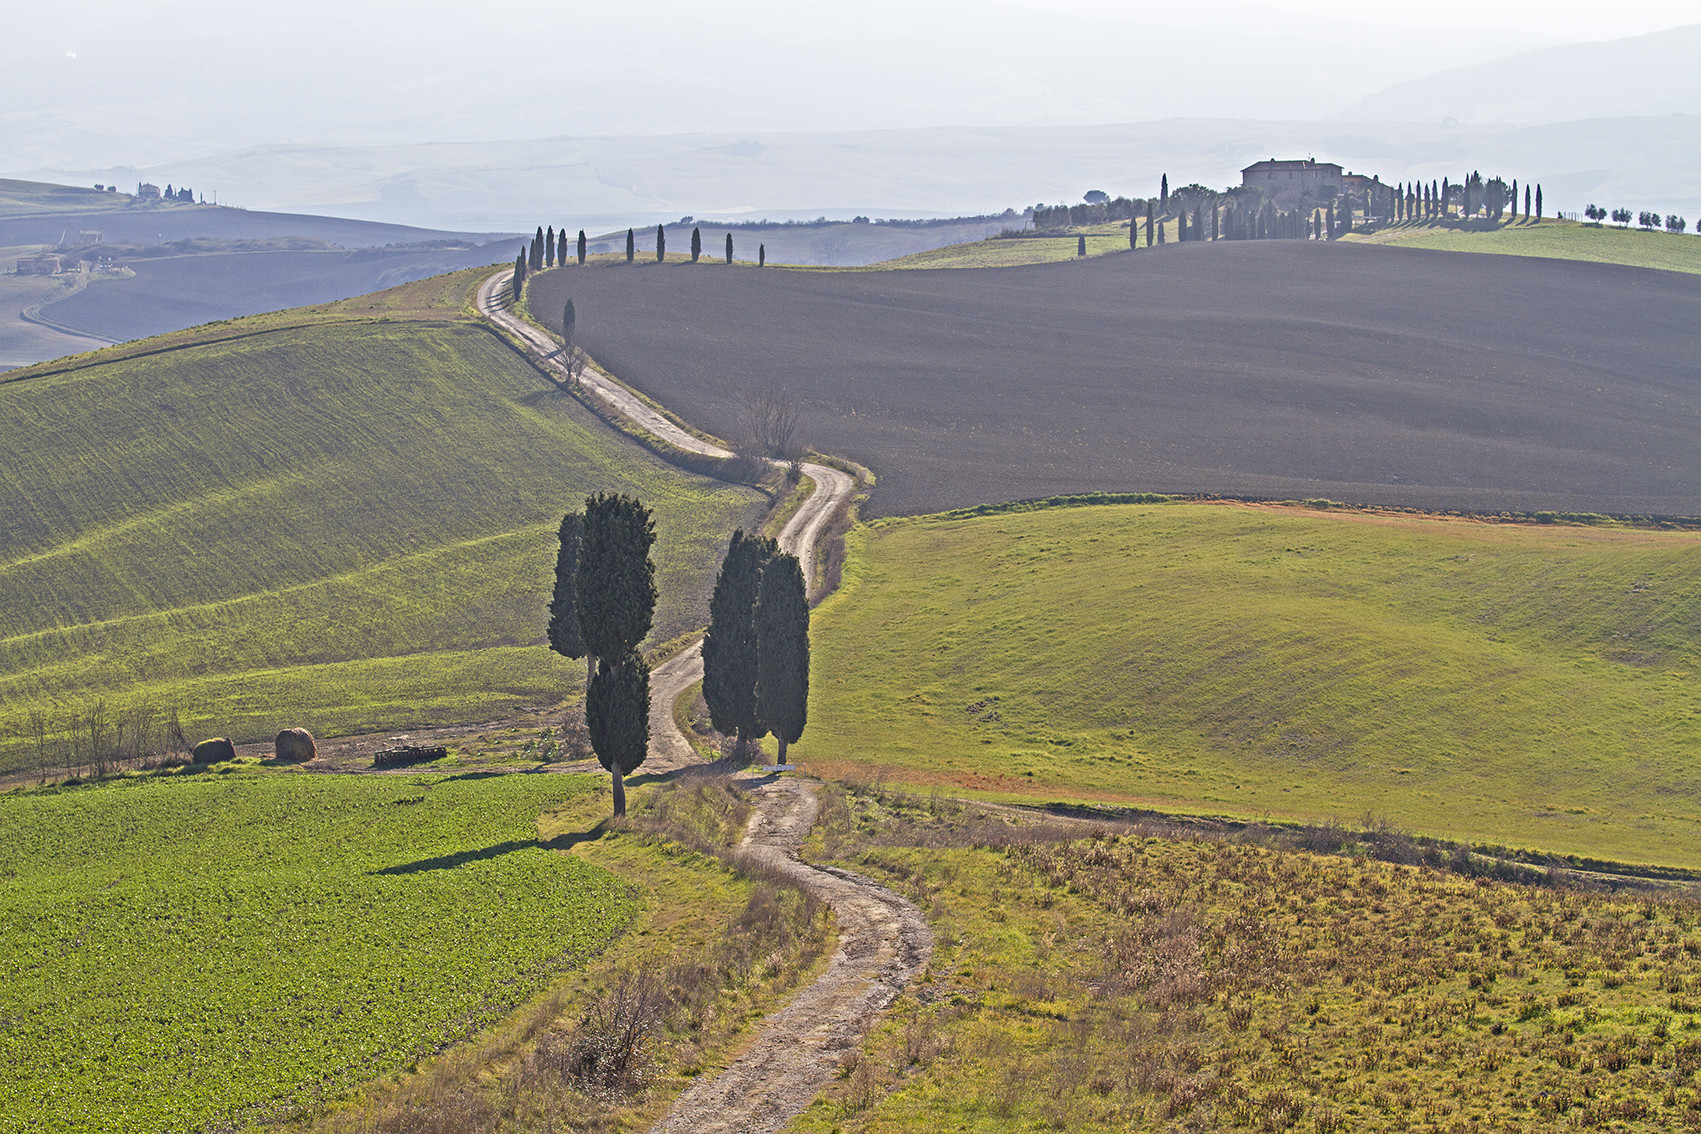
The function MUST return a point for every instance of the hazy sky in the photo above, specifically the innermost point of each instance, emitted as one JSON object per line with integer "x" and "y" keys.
{"x": 104, "y": 84}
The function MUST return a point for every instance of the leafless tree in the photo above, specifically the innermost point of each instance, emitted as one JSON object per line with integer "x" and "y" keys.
{"x": 770, "y": 421}
{"x": 573, "y": 361}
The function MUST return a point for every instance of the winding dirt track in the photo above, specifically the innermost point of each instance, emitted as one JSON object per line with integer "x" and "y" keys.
{"x": 883, "y": 939}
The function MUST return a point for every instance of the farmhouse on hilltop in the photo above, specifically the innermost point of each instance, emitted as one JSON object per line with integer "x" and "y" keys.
{"x": 1288, "y": 181}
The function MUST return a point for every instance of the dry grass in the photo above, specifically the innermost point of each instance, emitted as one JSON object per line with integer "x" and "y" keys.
{"x": 1132, "y": 982}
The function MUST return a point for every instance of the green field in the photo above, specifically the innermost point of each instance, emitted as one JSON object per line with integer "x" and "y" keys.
{"x": 1005, "y": 252}
{"x": 178, "y": 952}
{"x": 1522, "y": 684}
{"x": 347, "y": 525}
{"x": 1558, "y": 240}
{"x": 1160, "y": 984}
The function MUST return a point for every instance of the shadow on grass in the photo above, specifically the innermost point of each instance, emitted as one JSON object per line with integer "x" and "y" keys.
{"x": 461, "y": 858}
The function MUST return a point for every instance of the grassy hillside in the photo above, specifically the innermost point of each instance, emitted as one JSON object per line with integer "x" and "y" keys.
{"x": 1526, "y": 685}
{"x": 346, "y": 524}
{"x": 1028, "y": 249}
{"x": 1557, "y": 240}
{"x": 254, "y": 942}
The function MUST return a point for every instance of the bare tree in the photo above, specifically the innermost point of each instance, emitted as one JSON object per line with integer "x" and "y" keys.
{"x": 99, "y": 735}
{"x": 573, "y": 362}
{"x": 770, "y": 422}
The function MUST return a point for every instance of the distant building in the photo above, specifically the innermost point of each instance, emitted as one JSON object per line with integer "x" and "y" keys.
{"x": 41, "y": 264}
{"x": 1289, "y": 181}
{"x": 147, "y": 191}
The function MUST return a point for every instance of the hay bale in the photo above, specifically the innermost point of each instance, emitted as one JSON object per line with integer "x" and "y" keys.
{"x": 295, "y": 745}
{"x": 213, "y": 750}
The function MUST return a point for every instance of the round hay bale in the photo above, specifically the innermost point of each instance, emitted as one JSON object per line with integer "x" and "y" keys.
{"x": 213, "y": 751}
{"x": 295, "y": 745}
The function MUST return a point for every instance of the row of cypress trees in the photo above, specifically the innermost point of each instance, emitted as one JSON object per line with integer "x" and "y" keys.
{"x": 602, "y": 606}
{"x": 547, "y": 248}
{"x": 756, "y": 650}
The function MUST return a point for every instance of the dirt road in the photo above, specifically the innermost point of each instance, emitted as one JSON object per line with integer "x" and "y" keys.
{"x": 883, "y": 939}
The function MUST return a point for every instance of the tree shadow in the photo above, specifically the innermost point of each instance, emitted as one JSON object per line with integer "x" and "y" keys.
{"x": 461, "y": 858}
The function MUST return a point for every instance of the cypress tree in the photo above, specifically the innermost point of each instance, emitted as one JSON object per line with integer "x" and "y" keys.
{"x": 782, "y": 651}
{"x": 1080, "y": 246}
{"x": 564, "y": 636}
{"x": 729, "y": 247}
{"x": 1148, "y": 224}
{"x": 729, "y": 646}
{"x": 1181, "y": 228}
{"x": 1514, "y": 198}
{"x": 1538, "y": 201}
{"x": 561, "y": 250}
{"x": 1198, "y": 222}
{"x": 631, "y": 246}
{"x": 1134, "y": 233}
{"x": 661, "y": 243}
{"x": 1163, "y": 196}
{"x": 1216, "y": 224}
{"x": 1446, "y": 196}
{"x": 616, "y": 590}
{"x": 568, "y": 319}
{"x": 1526, "y": 204}
{"x": 617, "y": 715}
{"x": 549, "y": 247}
{"x": 696, "y": 244}
{"x": 761, "y": 255}
{"x": 519, "y": 275}
{"x": 581, "y": 248}
{"x": 1331, "y": 225}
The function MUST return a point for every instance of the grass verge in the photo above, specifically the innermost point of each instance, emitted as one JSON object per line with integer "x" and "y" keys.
{"x": 1550, "y": 239}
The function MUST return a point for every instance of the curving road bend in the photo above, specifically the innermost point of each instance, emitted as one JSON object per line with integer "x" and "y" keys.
{"x": 883, "y": 939}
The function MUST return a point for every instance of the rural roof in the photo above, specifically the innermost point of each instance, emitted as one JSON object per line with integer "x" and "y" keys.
{"x": 1296, "y": 163}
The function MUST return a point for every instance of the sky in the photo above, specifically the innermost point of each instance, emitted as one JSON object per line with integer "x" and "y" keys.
{"x": 103, "y": 83}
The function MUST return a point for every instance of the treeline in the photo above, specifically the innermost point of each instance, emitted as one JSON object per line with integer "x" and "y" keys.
{"x": 98, "y": 739}
{"x": 1250, "y": 213}
{"x": 1644, "y": 219}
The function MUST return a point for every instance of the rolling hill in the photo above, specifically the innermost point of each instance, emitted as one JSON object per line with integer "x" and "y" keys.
{"x": 1262, "y": 369}
{"x": 340, "y": 517}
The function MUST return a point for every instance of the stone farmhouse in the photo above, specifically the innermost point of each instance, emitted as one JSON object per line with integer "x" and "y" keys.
{"x": 1289, "y": 181}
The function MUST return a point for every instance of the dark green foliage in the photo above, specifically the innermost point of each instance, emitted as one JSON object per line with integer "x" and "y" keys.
{"x": 1216, "y": 224}
{"x": 1133, "y": 234}
{"x": 729, "y": 646}
{"x": 519, "y": 275}
{"x": 549, "y": 247}
{"x": 1148, "y": 224}
{"x": 561, "y": 248}
{"x": 1538, "y": 202}
{"x": 1163, "y": 195}
{"x": 761, "y": 255}
{"x": 569, "y": 320}
{"x": 1198, "y": 222}
{"x": 661, "y": 243}
{"x": 616, "y": 592}
{"x": 729, "y": 247}
{"x": 631, "y": 245}
{"x": 1181, "y": 228}
{"x": 1081, "y": 246}
{"x": 582, "y": 249}
{"x": 1526, "y": 202}
{"x": 782, "y": 651}
{"x": 617, "y": 715}
{"x": 564, "y": 636}
{"x": 696, "y": 244}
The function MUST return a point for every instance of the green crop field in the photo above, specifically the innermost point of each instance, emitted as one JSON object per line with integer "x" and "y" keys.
{"x": 1137, "y": 983}
{"x": 1004, "y": 252}
{"x": 180, "y": 952}
{"x": 347, "y": 526}
{"x": 1529, "y": 685}
{"x": 1558, "y": 240}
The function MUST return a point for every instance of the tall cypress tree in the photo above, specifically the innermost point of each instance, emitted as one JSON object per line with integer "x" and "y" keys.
{"x": 1331, "y": 223}
{"x": 631, "y": 246}
{"x": 1526, "y": 204}
{"x": 569, "y": 319}
{"x": 1134, "y": 233}
{"x": 761, "y": 255}
{"x": 1080, "y": 246}
{"x": 617, "y": 715}
{"x": 549, "y": 247}
{"x": 616, "y": 590}
{"x": 581, "y": 248}
{"x": 519, "y": 275}
{"x": 661, "y": 243}
{"x": 696, "y": 244}
{"x": 782, "y": 651}
{"x": 1538, "y": 201}
{"x": 729, "y": 247}
{"x": 1216, "y": 224}
{"x": 1181, "y": 228}
{"x": 729, "y": 646}
{"x": 561, "y": 249}
{"x": 1514, "y": 198}
{"x": 1198, "y": 222}
{"x": 1148, "y": 224}
{"x": 564, "y": 636}
{"x": 1163, "y": 196}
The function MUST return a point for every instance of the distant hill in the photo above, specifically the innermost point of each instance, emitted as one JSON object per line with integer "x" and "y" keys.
{"x": 177, "y": 264}
{"x": 1638, "y": 76}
